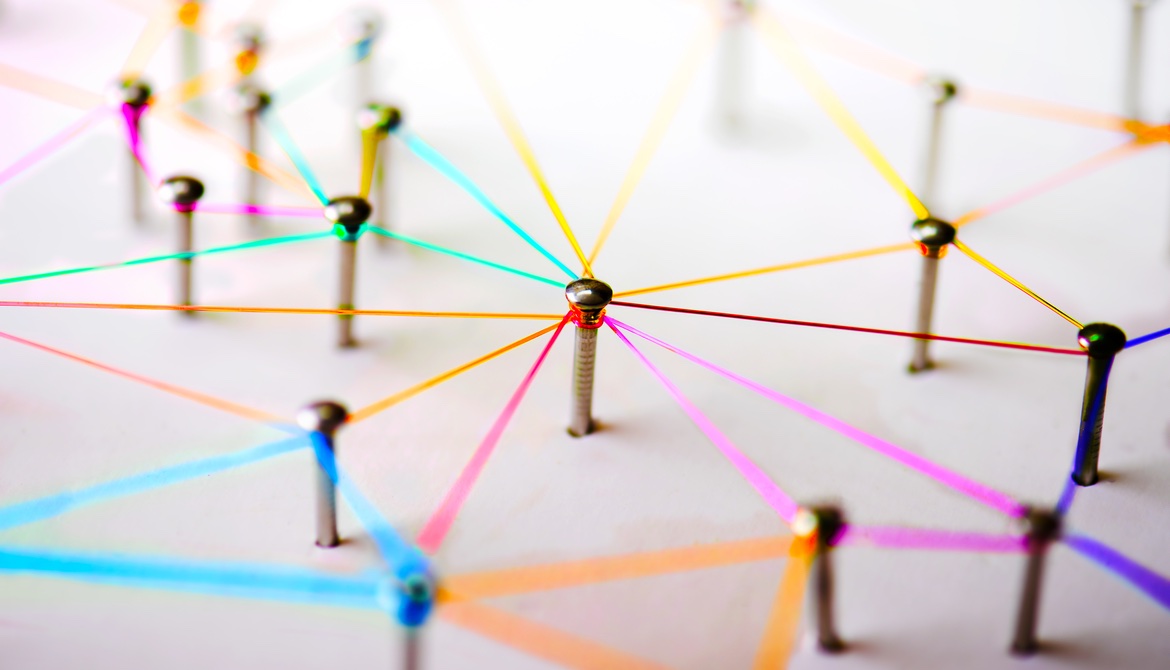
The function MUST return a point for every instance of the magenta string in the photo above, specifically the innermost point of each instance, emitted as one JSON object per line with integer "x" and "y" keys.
{"x": 52, "y": 144}
{"x": 436, "y": 528}
{"x": 133, "y": 116}
{"x": 763, "y": 485}
{"x": 888, "y": 537}
{"x": 975, "y": 490}
{"x": 261, "y": 210}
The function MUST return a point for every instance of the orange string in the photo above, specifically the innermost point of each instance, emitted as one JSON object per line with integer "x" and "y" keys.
{"x": 589, "y": 571}
{"x": 853, "y": 50}
{"x": 49, "y": 89}
{"x": 1016, "y": 104}
{"x": 780, "y": 632}
{"x": 370, "y": 410}
{"x": 823, "y": 260}
{"x": 284, "y": 310}
{"x": 157, "y": 28}
{"x": 539, "y": 640}
{"x": 202, "y": 398}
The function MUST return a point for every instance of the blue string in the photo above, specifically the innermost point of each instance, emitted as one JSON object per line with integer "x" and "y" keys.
{"x": 1066, "y": 496}
{"x": 214, "y": 578}
{"x": 1156, "y": 586}
{"x": 284, "y": 139}
{"x": 55, "y": 505}
{"x": 1146, "y": 338}
{"x": 428, "y": 154}
{"x": 459, "y": 254}
{"x": 302, "y": 84}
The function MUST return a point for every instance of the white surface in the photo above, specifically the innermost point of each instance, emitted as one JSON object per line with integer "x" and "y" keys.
{"x": 584, "y": 79}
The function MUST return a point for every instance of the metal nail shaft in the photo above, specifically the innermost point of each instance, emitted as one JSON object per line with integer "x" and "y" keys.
{"x": 932, "y": 236}
{"x": 588, "y": 298}
{"x": 1043, "y": 530}
{"x": 828, "y": 524}
{"x": 345, "y": 296}
{"x": 186, "y": 246}
{"x": 1102, "y": 341}
{"x": 942, "y": 92}
{"x": 1134, "y": 59}
{"x": 321, "y": 420}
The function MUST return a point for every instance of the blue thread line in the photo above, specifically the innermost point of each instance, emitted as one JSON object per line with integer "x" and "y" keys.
{"x": 1067, "y": 495}
{"x": 48, "y": 507}
{"x": 307, "y": 81}
{"x": 432, "y": 157}
{"x": 1139, "y": 576}
{"x": 282, "y": 137}
{"x": 1146, "y": 338}
{"x": 240, "y": 580}
{"x": 459, "y": 254}
{"x": 401, "y": 557}
{"x": 168, "y": 257}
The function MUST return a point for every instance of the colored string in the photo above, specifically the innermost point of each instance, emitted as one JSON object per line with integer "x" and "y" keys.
{"x": 953, "y": 480}
{"x": 779, "y": 639}
{"x": 262, "y": 210}
{"x": 768, "y": 490}
{"x": 269, "y": 242}
{"x": 284, "y": 310}
{"x": 553, "y": 645}
{"x": 1147, "y": 338}
{"x": 235, "y": 580}
{"x": 698, "y": 51}
{"x": 853, "y": 51}
{"x": 459, "y": 254}
{"x": 855, "y": 329}
{"x": 49, "y": 89}
{"x": 199, "y": 85}
{"x": 1014, "y": 282}
{"x": 132, "y": 115}
{"x": 195, "y": 396}
{"x": 1059, "y": 179}
{"x": 513, "y": 581}
{"x": 433, "y": 158}
{"x": 157, "y": 28}
{"x": 371, "y": 140}
{"x": 252, "y": 161}
{"x": 48, "y": 507}
{"x": 1016, "y": 104}
{"x": 787, "y": 50}
{"x": 46, "y": 149}
{"x": 823, "y": 260}
{"x": 388, "y": 402}
{"x": 323, "y": 71}
{"x": 285, "y": 140}
{"x": 1068, "y": 495}
{"x": 887, "y": 537}
{"x": 1150, "y": 583}
{"x": 507, "y": 118}
{"x": 431, "y": 537}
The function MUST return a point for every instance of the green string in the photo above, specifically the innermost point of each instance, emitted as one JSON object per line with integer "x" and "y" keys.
{"x": 459, "y": 254}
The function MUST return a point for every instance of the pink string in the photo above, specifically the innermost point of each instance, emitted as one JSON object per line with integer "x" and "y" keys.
{"x": 133, "y": 115}
{"x": 436, "y": 528}
{"x": 888, "y": 537}
{"x": 975, "y": 490}
{"x": 771, "y": 493}
{"x": 262, "y": 210}
{"x": 52, "y": 144}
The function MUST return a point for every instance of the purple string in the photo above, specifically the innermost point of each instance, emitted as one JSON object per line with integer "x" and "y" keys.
{"x": 1144, "y": 579}
{"x": 888, "y": 537}
{"x": 771, "y": 493}
{"x": 1067, "y": 495}
{"x": 262, "y": 210}
{"x": 133, "y": 115}
{"x": 973, "y": 489}
{"x": 52, "y": 144}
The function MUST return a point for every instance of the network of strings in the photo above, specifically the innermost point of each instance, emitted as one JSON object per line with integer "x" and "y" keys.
{"x": 459, "y": 598}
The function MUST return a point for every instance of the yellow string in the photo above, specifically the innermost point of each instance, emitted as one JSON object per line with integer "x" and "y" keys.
{"x": 780, "y": 632}
{"x": 823, "y": 260}
{"x": 1014, "y": 282}
{"x": 787, "y": 50}
{"x": 371, "y": 139}
{"x": 386, "y": 403}
{"x": 507, "y": 118}
{"x": 700, "y": 47}
{"x": 48, "y": 89}
{"x": 158, "y": 26}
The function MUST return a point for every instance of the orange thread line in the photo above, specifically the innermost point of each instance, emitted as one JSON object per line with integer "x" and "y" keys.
{"x": 240, "y": 154}
{"x": 201, "y": 398}
{"x": 1059, "y": 179}
{"x": 823, "y": 260}
{"x": 539, "y": 640}
{"x": 667, "y": 108}
{"x": 370, "y": 410}
{"x": 157, "y": 28}
{"x": 49, "y": 89}
{"x": 284, "y": 310}
{"x": 1023, "y": 106}
{"x": 1014, "y": 282}
{"x": 479, "y": 585}
{"x": 854, "y": 51}
{"x": 780, "y": 632}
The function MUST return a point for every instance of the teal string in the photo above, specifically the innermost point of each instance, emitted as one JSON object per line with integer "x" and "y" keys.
{"x": 300, "y": 85}
{"x": 284, "y": 139}
{"x": 459, "y": 254}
